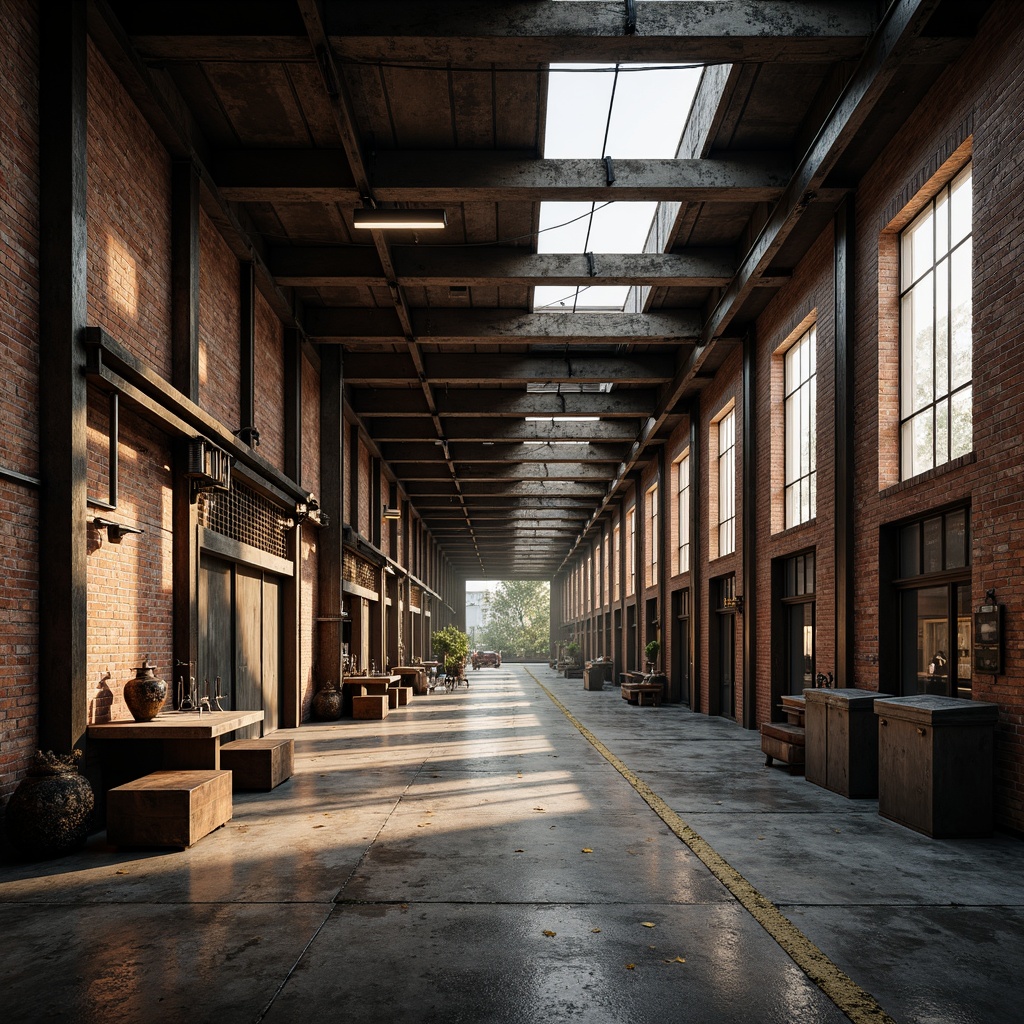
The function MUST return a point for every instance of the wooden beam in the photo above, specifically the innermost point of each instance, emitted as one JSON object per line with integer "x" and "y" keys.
{"x": 517, "y": 33}
{"x": 552, "y": 472}
{"x": 404, "y": 428}
{"x": 448, "y": 178}
{"x": 367, "y": 403}
{"x": 63, "y": 572}
{"x": 376, "y": 370}
{"x": 501, "y": 326}
{"x": 333, "y": 266}
{"x": 484, "y": 452}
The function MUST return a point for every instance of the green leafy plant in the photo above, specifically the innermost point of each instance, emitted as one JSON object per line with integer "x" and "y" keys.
{"x": 572, "y": 650}
{"x": 652, "y": 650}
{"x": 453, "y": 647}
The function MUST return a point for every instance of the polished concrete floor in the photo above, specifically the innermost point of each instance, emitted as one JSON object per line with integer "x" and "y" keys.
{"x": 477, "y": 858}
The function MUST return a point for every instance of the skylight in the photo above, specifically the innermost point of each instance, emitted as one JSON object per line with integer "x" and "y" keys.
{"x": 649, "y": 106}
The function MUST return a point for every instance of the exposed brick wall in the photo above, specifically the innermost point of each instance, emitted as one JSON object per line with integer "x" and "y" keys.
{"x": 362, "y": 523}
{"x": 129, "y": 584}
{"x": 129, "y": 223}
{"x": 19, "y": 351}
{"x": 811, "y": 291}
{"x": 727, "y": 387}
{"x": 979, "y": 98}
{"x": 219, "y": 377}
{"x": 268, "y": 383}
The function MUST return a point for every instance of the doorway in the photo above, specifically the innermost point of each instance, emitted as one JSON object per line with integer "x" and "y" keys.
{"x": 723, "y": 646}
{"x": 240, "y": 629}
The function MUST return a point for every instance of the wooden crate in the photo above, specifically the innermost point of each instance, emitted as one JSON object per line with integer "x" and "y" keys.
{"x": 172, "y": 808}
{"x": 404, "y": 695}
{"x": 259, "y": 763}
{"x": 372, "y": 706}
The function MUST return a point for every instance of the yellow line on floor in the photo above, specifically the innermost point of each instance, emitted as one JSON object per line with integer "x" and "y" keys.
{"x": 860, "y": 1006}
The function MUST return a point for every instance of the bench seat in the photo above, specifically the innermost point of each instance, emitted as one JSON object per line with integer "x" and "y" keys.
{"x": 169, "y": 808}
{"x": 260, "y": 764}
{"x": 783, "y": 741}
{"x": 371, "y": 707}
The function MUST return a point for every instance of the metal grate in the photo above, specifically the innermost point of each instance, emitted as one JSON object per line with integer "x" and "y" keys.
{"x": 359, "y": 571}
{"x": 247, "y": 517}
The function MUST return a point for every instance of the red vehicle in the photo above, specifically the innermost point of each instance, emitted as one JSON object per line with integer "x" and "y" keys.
{"x": 492, "y": 658}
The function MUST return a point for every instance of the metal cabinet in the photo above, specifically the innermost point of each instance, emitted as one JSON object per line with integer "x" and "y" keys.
{"x": 935, "y": 764}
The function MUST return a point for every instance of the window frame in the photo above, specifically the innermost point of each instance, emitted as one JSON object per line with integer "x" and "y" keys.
{"x": 804, "y": 391}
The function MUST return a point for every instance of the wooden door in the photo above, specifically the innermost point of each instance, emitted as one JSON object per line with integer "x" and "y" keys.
{"x": 273, "y": 674}
{"x": 248, "y": 692}
{"x": 216, "y": 628}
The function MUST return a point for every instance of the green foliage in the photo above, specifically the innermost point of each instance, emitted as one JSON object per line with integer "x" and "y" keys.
{"x": 572, "y": 649}
{"x": 519, "y": 621}
{"x": 652, "y": 650}
{"x": 452, "y": 645}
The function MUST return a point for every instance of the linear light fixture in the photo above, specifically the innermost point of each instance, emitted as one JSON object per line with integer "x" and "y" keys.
{"x": 398, "y": 219}
{"x": 392, "y": 513}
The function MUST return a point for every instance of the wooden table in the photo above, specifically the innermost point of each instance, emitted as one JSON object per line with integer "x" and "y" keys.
{"x": 183, "y": 739}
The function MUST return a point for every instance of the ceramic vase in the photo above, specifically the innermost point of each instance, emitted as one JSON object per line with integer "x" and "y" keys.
{"x": 327, "y": 703}
{"x": 50, "y": 811}
{"x": 145, "y": 694}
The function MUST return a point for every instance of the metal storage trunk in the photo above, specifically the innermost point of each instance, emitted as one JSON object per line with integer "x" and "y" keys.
{"x": 935, "y": 764}
{"x": 841, "y": 741}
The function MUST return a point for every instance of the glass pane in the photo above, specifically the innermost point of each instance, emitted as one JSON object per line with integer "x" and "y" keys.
{"x": 925, "y": 641}
{"x": 923, "y": 450}
{"x": 910, "y": 550}
{"x": 962, "y": 427}
{"x": 942, "y": 224}
{"x": 961, "y": 314}
{"x": 942, "y": 328}
{"x": 809, "y": 573}
{"x": 960, "y": 206}
{"x": 941, "y": 432}
{"x": 963, "y": 642}
{"x": 956, "y": 540}
{"x": 917, "y": 248}
{"x": 933, "y": 545}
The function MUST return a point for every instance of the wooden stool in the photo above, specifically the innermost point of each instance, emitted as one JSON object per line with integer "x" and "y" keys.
{"x": 173, "y": 808}
{"x": 259, "y": 763}
{"x": 784, "y": 742}
{"x": 392, "y": 698}
{"x": 372, "y": 706}
{"x": 404, "y": 695}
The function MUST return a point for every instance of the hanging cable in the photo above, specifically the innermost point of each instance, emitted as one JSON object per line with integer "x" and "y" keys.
{"x": 608, "y": 171}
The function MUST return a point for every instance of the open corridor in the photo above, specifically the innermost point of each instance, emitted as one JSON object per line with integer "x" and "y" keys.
{"x": 488, "y": 855}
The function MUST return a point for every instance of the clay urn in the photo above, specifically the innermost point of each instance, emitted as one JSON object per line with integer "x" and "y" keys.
{"x": 145, "y": 694}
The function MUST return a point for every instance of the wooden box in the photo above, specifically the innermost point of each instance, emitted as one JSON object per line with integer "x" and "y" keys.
{"x": 259, "y": 763}
{"x": 172, "y": 808}
{"x": 372, "y": 706}
{"x": 404, "y": 695}
{"x": 936, "y": 763}
{"x": 841, "y": 748}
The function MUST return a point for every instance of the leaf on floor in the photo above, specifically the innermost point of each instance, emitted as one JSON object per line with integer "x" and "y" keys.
{"x": 586, "y": 849}
{"x": 319, "y": 826}
{"x": 423, "y": 824}
{"x": 596, "y": 931}
{"x": 519, "y": 851}
{"x": 538, "y": 808}
{"x": 677, "y": 960}
{"x": 121, "y": 871}
{"x": 647, "y": 924}
{"x": 549, "y": 934}
{"x": 630, "y": 967}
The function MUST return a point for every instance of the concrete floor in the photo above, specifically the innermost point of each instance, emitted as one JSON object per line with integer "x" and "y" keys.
{"x": 474, "y": 858}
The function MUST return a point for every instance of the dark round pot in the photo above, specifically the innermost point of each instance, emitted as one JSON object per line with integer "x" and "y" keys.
{"x": 327, "y": 703}
{"x": 145, "y": 694}
{"x": 50, "y": 811}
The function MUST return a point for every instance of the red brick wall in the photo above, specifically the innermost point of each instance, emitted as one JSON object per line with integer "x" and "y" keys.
{"x": 129, "y": 224}
{"x": 19, "y": 351}
{"x": 981, "y": 97}
{"x": 268, "y": 383}
{"x": 219, "y": 378}
{"x": 129, "y": 584}
{"x": 812, "y": 288}
{"x": 727, "y": 386}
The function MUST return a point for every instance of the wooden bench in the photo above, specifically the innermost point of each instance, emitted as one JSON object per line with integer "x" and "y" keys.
{"x": 783, "y": 741}
{"x": 172, "y": 808}
{"x": 372, "y": 706}
{"x": 404, "y": 694}
{"x": 259, "y": 763}
{"x": 643, "y": 693}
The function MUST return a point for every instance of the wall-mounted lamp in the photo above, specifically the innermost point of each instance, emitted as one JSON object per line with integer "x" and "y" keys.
{"x": 248, "y": 435}
{"x": 115, "y": 531}
{"x": 308, "y": 510}
{"x": 392, "y": 513}
{"x": 384, "y": 220}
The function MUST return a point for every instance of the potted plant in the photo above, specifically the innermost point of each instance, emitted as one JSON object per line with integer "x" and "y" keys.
{"x": 652, "y": 650}
{"x": 572, "y": 652}
{"x": 453, "y": 647}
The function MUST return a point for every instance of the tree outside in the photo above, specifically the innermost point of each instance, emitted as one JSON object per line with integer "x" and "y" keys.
{"x": 519, "y": 620}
